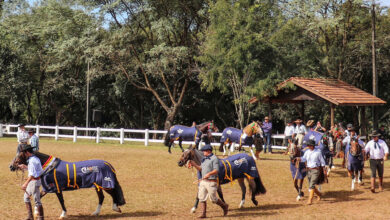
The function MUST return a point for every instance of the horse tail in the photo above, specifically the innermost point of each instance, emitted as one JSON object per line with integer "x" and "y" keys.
{"x": 260, "y": 189}
{"x": 118, "y": 193}
{"x": 167, "y": 138}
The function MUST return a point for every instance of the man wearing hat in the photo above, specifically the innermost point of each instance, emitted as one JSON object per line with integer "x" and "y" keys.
{"x": 22, "y": 134}
{"x": 299, "y": 132}
{"x": 378, "y": 151}
{"x": 34, "y": 140}
{"x": 288, "y": 132}
{"x": 33, "y": 182}
{"x": 348, "y": 131}
{"x": 315, "y": 164}
{"x": 209, "y": 182}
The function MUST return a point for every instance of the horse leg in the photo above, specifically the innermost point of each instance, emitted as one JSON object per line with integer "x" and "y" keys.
{"x": 101, "y": 199}
{"x": 300, "y": 187}
{"x": 181, "y": 147}
{"x": 360, "y": 181}
{"x": 352, "y": 174}
{"x": 297, "y": 188}
{"x": 252, "y": 187}
{"x": 169, "y": 146}
{"x": 193, "y": 209}
{"x": 243, "y": 191}
{"x": 61, "y": 200}
{"x": 220, "y": 194}
{"x": 114, "y": 201}
{"x": 253, "y": 155}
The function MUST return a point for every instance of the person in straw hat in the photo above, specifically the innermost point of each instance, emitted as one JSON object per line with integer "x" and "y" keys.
{"x": 299, "y": 131}
{"x": 378, "y": 151}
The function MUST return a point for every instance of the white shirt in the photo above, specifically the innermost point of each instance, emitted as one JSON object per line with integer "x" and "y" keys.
{"x": 301, "y": 129}
{"x": 313, "y": 158}
{"x": 34, "y": 167}
{"x": 377, "y": 152}
{"x": 22, "y": 136}
{"x": 289, "y": 130}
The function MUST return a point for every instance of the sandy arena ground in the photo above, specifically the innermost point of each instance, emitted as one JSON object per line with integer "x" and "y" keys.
{"x": 156, "y": 188}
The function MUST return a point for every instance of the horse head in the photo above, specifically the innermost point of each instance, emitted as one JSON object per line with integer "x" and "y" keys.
{"x": 190, "y": 154}
{"x": 355, "y": 148}
{"x": 293, "y": 149}
{"x": 254, "y": 128}
{"x": 19, "y": 159}
{"x": 208, "y": 126}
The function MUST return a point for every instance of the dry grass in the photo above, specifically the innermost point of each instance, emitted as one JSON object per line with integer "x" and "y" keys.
{"x": 156, "y": 188}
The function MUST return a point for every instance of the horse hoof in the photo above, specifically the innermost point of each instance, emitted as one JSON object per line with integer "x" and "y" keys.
{"x": 193, "y": 210}
{"x": 241, "y": 204}
{"x": 255, "y": 202}
{"x": 95, "y": 214}
{"x": 298, "y": 198}
{"x": 117, "y": 210}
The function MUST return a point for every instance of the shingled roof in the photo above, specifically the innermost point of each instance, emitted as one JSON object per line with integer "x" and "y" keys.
{"x": 332, "y": 90}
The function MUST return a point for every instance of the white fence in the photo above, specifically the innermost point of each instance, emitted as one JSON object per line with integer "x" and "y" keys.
{"x": 98, "y": 134}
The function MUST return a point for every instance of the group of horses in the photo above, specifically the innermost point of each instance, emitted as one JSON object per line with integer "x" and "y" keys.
{"x": 62, "y": 176}
{"x": 326, "y": 142}
{"x": 251, "y": 134}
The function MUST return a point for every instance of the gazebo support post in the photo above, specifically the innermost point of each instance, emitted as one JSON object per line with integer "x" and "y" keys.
{"x": 363, "y": 121}
{"x": 332, "y": 106}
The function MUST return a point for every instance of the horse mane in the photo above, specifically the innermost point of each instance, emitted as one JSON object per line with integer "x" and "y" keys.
{"x": 42, "y": 157}
{"x": 198, "y": 156}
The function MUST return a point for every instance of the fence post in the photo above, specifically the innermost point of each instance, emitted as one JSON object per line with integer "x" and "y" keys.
{"x": 122, "y": 135}
{"x": 1, "y": 130}
{"x": 146, "y": 137}
{"x": 74, "y": 134}
{"x": 56, "y": 133}
{"x": 37, "y": 132}
{"x": 97, "y": 135}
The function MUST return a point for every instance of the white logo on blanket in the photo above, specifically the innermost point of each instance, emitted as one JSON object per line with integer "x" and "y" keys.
{"x": 240, "y": 161}
{"x": 180, "y": 131}
{"x": 229, "y": 132}
{"x": 90, "y": 169}
{"x": 107, "y": 178}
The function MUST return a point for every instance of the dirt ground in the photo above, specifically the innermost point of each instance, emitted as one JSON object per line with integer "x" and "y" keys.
{"x": 156, "y": 188}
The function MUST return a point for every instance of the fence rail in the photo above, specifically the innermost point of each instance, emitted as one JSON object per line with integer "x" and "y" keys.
{"x": 114, "y": 134}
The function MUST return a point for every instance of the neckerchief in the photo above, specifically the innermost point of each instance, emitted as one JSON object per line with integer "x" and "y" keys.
{"x": 207, "y": 157}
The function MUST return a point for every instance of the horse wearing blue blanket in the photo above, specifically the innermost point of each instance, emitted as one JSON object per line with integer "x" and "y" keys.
{"x": 195, "y": 133}
{"x": 59, "y": 175}
{"x": 251, "y": 134}
{"x": 237, "y": 167}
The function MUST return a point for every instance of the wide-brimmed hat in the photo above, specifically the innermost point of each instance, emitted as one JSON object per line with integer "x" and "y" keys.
{"x": 206, "y": 147}
{"x": 21, "y": 125}
{"x": 311, "y": 142}
{"x": 310, "y": 123}
{"x": 375, "y": 133}
{"x": 25, "y": 147}
{"x": 349, "y": 125}
{"x": 298, "y": 121}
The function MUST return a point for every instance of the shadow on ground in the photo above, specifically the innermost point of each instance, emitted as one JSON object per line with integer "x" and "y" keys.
{"x": 115, "y": 216}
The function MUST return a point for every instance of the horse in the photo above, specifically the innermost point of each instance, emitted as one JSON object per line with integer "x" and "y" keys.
{"x": 207, "y": 128}
{"x": 184, "y": 133}
{"x": 355, "y": 161}
{"x": 239, "y": 166}
{"x": 327, "y": 150}
{"x": 297, "y": 168}
{"x": 243, "y": 137}
{"x": 59, "y": 175}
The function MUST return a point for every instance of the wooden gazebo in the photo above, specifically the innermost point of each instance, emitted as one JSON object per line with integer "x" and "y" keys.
{"x": 333, "y": 91}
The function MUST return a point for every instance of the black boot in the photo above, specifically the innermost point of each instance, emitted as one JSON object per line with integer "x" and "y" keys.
{"x": 224, "y": 206}
{"x": 29, "y": 211}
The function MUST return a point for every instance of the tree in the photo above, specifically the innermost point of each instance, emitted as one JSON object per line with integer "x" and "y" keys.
{"x": 237, "y": 57}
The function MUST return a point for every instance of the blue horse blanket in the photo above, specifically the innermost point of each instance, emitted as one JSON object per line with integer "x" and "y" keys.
{"x": 313, "y": 135}
{"x": 84, "y": 174}
{"x": 185, "y": 133}
{"x": 237, "y": 166}
{"x": 300, "y": 173}
{"x": 234, "y": 167}
{"x": 355, "y": 162}
{"x": 235, "y": 135}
